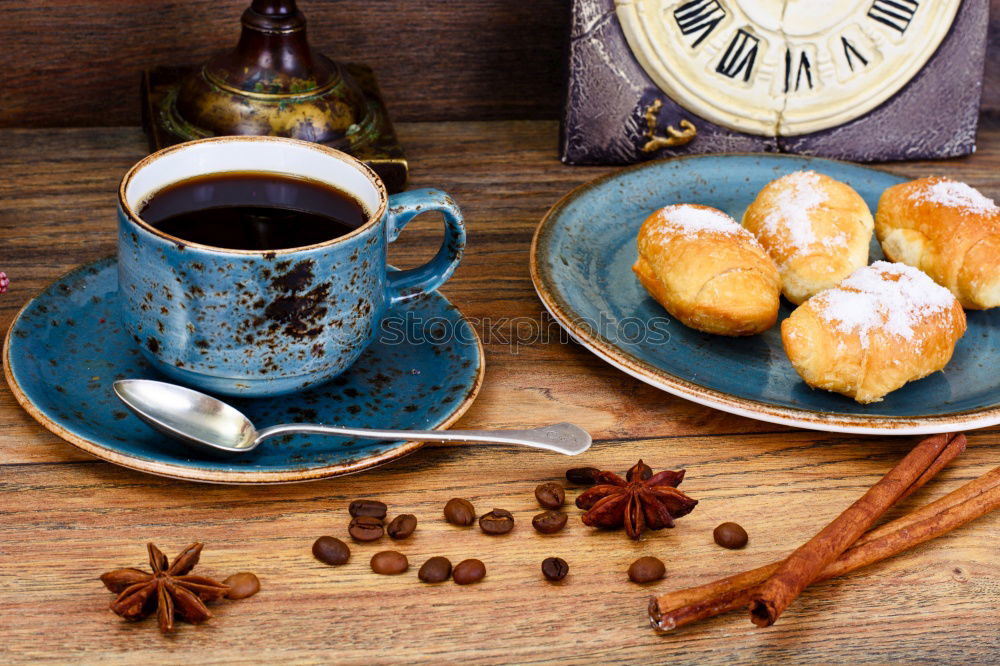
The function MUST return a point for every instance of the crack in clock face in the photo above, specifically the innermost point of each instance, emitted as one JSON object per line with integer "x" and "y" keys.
{"x": 783, "y": 67}
{"x": 797, "y": 18}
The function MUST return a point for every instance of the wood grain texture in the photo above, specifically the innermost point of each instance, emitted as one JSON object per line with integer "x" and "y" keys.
{"x": 67, "y": 517}
{"x": 436, "y": 60}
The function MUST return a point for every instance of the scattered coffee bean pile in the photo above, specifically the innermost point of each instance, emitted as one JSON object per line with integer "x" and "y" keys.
{"x": 368, "y": 524}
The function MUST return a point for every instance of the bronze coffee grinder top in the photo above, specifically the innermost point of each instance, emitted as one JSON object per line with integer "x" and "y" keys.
{"x": 274, "y": 84}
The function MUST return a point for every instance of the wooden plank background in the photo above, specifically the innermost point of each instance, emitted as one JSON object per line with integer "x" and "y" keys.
{"x": 77, "y": 62}
{"x": 67, "y": 517}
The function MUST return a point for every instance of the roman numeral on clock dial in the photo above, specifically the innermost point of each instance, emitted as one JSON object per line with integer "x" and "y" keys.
{"x": 699, "y": 18}
{"x": 852, "y": 54}
{"x": 896, "y": 14}
{"x": 854, "y": 51}
{"x": 739, "y": 57}
{"x": 798, "y": 70}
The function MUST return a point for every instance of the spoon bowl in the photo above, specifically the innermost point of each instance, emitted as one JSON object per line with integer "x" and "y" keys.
{"x": 197, "y": 419}
{"x": 211, "y": 426}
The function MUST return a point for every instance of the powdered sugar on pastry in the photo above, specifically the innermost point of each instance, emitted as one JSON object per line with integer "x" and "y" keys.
{"x": 691, "y": 219}
{"x": 891, "y": 297}
{"x": 956, "y": 195}
{"x": 837, "y": 240}
{"x": 791, "y": 218}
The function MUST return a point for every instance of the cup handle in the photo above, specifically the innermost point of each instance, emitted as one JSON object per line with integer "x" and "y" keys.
{"x": 403, "y": 207}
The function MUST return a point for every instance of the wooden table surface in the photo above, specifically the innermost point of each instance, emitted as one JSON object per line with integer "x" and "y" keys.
{"x": 68, "y": 517}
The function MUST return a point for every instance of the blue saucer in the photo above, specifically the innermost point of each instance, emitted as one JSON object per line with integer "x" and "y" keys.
{"x": 581, "y": 262}
{"x": 66, "y": 347}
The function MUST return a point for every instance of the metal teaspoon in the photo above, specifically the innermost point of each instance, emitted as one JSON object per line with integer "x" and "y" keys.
{"x": 213, "y": 426}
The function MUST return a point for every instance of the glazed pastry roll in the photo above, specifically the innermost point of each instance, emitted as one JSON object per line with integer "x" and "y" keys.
{"x": 816, "y": 229}
{"x": 707, "y": 271}
{"x": 885, "y": 325}
{"x": 948, "y": 230}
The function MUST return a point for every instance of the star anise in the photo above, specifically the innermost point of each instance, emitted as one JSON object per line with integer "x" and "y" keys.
{"x": 169, "y": 590}
{"x": 641, "y": 500}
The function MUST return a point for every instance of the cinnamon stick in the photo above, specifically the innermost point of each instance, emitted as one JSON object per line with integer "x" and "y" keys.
{"x": 802, "y": 567}
{"x": 948, "y": 453}
{"x": 974, "y": 499}
{"x": 682, "y": 607}
{"x": 984, "y": 496}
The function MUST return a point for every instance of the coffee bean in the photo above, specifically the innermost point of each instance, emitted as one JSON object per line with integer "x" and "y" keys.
{"x": 365, "y": 528}
{"x": 389, "y": 563}
{"x": 550, "y": 495}
{"x": 497, "y": 521}
{"x": 582, "y": 476}
{"x": 549, "y": 522}
{"x": 646, "y": 570}
{"x": 554, "y": 568}
{"x": 330, "y": 550}
{"x": 730, "y": 535}
{"x": 402, "y": 526}
{"x": 242, "y": 585}
{"x": 468, "y": 571}
{"x": 460, "y": 512}
{"x": 435, "y": 570}
{"x": 365, "y": 507}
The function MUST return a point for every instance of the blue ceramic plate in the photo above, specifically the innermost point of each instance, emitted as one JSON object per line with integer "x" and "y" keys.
{"x": 66, "y": 347}
{"x": 581, "y": 262}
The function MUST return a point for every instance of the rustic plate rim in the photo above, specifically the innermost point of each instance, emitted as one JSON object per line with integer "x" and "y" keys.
{"x": 561, "y": 311}
{"x": 231, "y": 477}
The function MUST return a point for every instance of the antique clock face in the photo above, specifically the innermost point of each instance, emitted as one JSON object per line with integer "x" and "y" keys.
{"x": 783, "y": 67}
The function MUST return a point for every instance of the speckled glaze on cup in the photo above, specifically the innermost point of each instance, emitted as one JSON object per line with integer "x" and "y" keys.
{"x": 256, "y": 323}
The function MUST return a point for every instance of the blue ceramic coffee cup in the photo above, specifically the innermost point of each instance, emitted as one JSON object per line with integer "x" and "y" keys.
{"x": 257, "y": 323}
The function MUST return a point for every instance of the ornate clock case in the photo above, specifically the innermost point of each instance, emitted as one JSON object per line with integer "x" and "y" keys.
{"x": 863, "y": 80}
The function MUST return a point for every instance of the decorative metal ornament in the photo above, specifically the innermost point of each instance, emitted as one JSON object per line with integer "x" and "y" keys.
{"x": 274, "y": 84}
{"x": 858, "y": 79}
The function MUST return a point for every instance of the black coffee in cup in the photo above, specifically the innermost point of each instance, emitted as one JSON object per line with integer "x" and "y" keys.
{"x": 287, "y": 283}
{"x": 252, "y": 210}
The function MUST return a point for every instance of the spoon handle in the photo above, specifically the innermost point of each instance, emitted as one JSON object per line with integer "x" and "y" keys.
{"x": 561, "y": 437}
